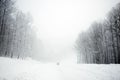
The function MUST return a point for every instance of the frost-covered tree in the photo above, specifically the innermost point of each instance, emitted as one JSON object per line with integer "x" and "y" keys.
{"x": 102, "y": 41}
{"x": 23, "y": 35}
{"x": 17, "y": 37}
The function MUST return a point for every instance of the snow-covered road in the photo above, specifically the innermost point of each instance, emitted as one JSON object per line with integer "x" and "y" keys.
{"x": 13, "y": 69}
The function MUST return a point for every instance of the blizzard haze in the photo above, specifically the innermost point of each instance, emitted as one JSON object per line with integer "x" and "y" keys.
{"x": 58, "y": 23}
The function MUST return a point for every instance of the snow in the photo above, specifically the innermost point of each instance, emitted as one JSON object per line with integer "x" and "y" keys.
{"x": 28, "y": 69}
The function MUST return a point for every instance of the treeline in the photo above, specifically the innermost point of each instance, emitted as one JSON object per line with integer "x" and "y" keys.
{"x": 101, "y": 42}
{"x": 17, "y": 37}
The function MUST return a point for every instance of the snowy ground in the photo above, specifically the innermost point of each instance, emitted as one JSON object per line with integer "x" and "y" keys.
{"x": 13, "y": 69}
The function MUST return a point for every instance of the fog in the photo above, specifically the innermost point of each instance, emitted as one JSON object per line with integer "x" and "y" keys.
{"x": 57, "y": 23}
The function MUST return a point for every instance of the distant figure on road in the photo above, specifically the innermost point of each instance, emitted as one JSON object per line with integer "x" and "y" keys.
{"x": 58, "y": 63}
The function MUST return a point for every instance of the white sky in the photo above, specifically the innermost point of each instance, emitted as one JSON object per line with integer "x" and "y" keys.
{"x": 58, "y": 22}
